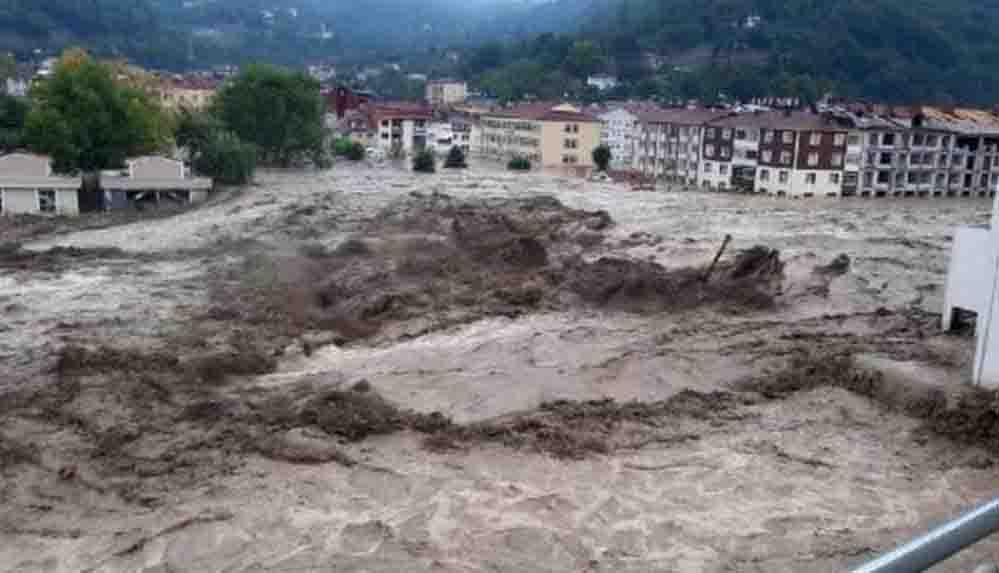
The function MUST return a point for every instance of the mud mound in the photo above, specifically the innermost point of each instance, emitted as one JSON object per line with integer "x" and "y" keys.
{"x": 354, "y": 415}
{"x": 13, "y": 256}
{"x": 751, "y": 281}
{"x": 75, "y": 359}
{"x": 576, "y": 430}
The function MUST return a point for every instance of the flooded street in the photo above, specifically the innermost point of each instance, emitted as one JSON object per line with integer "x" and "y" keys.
{"x": 370, "y": 370}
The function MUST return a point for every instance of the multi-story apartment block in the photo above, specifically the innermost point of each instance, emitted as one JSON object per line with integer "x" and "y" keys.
{"x": 669, "y": 143}
{"x": 446, "y": 92}
{"x": 793, "y": 154}
{"x": 619, "y": 131}
{"x": 550, "y": 135}
{"x": 929, "y": 152}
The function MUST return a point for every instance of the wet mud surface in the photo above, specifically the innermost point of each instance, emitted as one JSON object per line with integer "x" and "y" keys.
{"x": 366, "y": 370}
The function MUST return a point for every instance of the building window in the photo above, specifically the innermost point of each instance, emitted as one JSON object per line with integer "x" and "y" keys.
{"x": 884, "y": 178}
{"x": 810, "y": 179}
{"x": 853, "y": 139}
{"x": 834, "y": 178}
{"x": 723, "y": 169}
{"x": 768, "y": 136}
{"x": 764, "y": 175}
{"x": 713, "y": 133}
{"x": 726, "y": 134}
{"x": 767, "y": 156}
{"x": 787, "y": 137}
{"x": 839, "y": 139}
{"x": 725, "y": 152}
{"x": 885, "y": 159}
{"x": 888, "y": 140}
{"x": 837, "y": 159}
{"x": 813, "y": 159}
{"x": 1, "y": 201}
{"x": 709, "y": 150}
{"x": 815, "y": 139}
{"x": 931, "y": 141}
{"x": 918, "y": 140}
{"x": 570, "y": 159}
{"x": 46, "y": 200}
{"x": 868, "y": 179}
{"x": 782, "y": 177}
{"x": 571, "y": 144}
{"x": 785, "y": 157}
{"x": 708, "y": 167}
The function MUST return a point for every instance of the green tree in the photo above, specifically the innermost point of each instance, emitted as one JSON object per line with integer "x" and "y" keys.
{"x": 13, "y": 113}
{"x": 195, "y": 129}
{"x": 602, "y": 156}
{"x": 278, "y": 111}
{"x": 87, "y": 120}
{"x": 226, "y": 159}
{"x": 455, "y": 159}
{"x": 424, "y": 162}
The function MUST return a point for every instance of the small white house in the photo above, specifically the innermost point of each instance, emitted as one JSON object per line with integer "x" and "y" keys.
{"x": 28, "y": 186}
{"x": 154, "y": 179}
{"x": 973, "y": 285}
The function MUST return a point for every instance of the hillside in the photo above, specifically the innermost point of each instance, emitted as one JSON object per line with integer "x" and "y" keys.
{"x": 892, "y": 50}
{"x": 178, "y": 34}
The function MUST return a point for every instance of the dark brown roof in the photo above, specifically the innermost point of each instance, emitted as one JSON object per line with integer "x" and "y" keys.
{"x": 795, "y": 120}
{"x": 544, "y": 111}
{"x": 680, "y": 116}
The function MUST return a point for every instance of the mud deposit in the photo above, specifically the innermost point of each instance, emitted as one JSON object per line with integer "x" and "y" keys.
{"x": 366, "y": 370}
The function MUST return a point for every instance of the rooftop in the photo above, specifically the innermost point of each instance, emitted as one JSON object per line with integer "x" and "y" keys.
{"x": 545, "y": 111}
{"x": 794, "y": 120}
{"x": 681, "y": 116}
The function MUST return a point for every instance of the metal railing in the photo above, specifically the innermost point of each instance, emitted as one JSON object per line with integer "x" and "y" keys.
{"x": 939, "y": 544}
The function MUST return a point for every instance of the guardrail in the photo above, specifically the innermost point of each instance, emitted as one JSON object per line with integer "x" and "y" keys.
{"x": 939, "y": 544}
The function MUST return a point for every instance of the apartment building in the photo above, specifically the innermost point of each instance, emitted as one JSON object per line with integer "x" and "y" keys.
{"x": 550, "y": 135}
{"x": 793, "y": 154}
{"x": 399, "y": 128}
{"x": 446, "y": 92}
{"x": 620, "y": 129}
{"x": 929, "y": 152}
{"x": 189, "y": 93}
{"x": 669, "y": 143}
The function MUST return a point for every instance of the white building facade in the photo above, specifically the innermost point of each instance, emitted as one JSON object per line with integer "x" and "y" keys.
{"x": 620, "y": 130}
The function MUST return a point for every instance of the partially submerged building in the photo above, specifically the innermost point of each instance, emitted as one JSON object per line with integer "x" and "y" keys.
{"x": 155, "y": 180}
{"x": 28, "y": 186}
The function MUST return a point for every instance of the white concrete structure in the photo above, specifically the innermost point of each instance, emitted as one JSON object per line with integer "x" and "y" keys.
{"x": 620, "y": 131}
{"x": 602, "y": 82}
{"x": 155, "y": 179}
{"x": 973, "y": 284}
{"x": 27, "y": 186}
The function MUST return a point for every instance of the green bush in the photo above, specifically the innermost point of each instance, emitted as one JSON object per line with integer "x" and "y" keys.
{"x": 355, "y": 152}
{"x": 227, "y": 159}
{"x": 519, "y": 164}
{"x": 455, "y": 159}
{"x": 424, "y": 162}
{"x": 602, "y": 156}
{"x": 342, "y": 146}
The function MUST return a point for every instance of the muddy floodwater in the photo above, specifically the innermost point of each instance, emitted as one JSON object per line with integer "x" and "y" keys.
{"x": 366, "y": 370}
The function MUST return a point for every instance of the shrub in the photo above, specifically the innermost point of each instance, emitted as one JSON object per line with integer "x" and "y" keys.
{"x": 424, "y": 162}
{"x": 341, "y": 147}
{"x": 519, "y": 164}
{"x": 455, "y": 159}
{"x": 355, "y": 152}
{"x": 227, "y": 159}
{"x": 602, "y": 157}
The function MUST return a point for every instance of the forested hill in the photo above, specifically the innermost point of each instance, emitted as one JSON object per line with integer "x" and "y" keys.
{"x": 178, "y": 34}
{"x": 891, "y": 50}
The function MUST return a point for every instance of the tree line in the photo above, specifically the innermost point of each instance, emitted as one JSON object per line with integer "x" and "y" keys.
{"x": 88, "y": 118}
{"x": 895, "y": 51}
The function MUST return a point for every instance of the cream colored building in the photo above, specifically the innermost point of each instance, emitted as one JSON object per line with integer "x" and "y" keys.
{"x": 446, "y": 92}
{"x": 175, "y": 95}
{"x": 549, "y": 135}
{"x": 28, "y": 186}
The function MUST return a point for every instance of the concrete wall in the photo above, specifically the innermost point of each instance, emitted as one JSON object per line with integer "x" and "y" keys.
{"x": 24, "y": 165}
{"x": 156, "y": 168}
{"x": 553, "y": 136}
{"x": 19, "y": 201}
{"x": 822, "y": 187}
{"x": 25, "y": 201}
{"x": 716, "y": 175}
